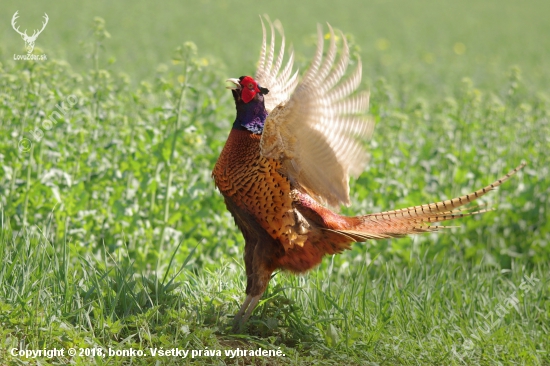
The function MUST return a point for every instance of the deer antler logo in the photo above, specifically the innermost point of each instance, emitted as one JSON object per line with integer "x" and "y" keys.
{"x": 29, "y": 40}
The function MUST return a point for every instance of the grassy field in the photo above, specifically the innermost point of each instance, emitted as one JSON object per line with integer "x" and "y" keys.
{"x": 113, "y": 236}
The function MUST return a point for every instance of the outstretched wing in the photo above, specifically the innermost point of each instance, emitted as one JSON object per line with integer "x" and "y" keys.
{"x": 318, "y": 133}
{"x": 280, "y": 83}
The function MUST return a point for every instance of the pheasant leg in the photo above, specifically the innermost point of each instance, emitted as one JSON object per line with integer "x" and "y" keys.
{"x": 244, "y": 306}
{"x": 246, "y": 310}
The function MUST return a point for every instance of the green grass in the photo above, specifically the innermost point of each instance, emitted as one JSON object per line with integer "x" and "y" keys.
{"x": 436, "y": 312}
{"x": 113, "y": 235}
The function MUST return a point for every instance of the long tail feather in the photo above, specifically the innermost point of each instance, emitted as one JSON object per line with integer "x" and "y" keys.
{"x": 417, "y": 219}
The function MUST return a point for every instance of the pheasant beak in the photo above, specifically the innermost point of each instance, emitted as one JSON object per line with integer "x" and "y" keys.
{"x": 236, "y": 82}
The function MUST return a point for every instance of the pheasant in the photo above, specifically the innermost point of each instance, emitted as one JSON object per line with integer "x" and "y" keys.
{"x": 287, "y": 162}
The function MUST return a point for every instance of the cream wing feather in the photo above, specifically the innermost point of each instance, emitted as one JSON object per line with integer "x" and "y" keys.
{"x": 280, "y": 83}
{"x": 318, "y": 132}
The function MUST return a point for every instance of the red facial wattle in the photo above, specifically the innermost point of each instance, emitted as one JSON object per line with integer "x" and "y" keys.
{"x": 249, "y": 89}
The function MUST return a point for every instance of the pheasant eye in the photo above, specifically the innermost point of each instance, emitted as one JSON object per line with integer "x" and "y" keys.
{"x": 250, "y": 86}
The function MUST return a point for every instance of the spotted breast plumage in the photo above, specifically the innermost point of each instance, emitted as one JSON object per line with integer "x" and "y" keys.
{"x": 287, "y": 162}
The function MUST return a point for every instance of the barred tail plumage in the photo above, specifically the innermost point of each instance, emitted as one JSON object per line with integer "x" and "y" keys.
{"x": 417, "y": 219}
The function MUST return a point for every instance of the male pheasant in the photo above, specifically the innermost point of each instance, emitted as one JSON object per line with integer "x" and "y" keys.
{"x": 289, "y": 155}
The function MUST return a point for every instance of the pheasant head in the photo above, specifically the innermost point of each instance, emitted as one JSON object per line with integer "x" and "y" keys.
{"x": 249, "y": 101}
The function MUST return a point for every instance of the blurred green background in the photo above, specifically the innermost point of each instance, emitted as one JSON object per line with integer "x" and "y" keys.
{"x": 112, "y": 232}
{"x": 459, "y": 94}
{"x": 434, "y": 42}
